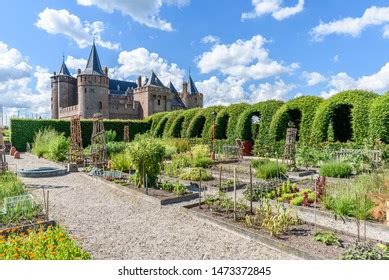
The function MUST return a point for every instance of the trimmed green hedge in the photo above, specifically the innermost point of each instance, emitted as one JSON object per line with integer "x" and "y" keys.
{"x": 379, "y": 119}
{"x": 23, "y": 130}
{"x": 306, "y": 106}
{"x": 188, "y": 116}
{"x": 227, "y": 119}
{"x": 169, "y": 124}
{"x": 201, "y": 125}
{"x": 359, "y": 102}
{"x": 155, "y": 119}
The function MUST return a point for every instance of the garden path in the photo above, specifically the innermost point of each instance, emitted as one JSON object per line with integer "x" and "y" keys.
{"x": 111, "y": 224}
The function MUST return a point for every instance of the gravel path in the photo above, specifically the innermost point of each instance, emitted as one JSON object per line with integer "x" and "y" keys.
{"x": 111, "y": 224}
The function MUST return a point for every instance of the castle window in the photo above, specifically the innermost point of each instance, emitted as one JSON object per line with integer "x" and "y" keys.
{"x": 159, "y": 102}
{"x": 100, "y": 106}
{"x": 85, "y": 90}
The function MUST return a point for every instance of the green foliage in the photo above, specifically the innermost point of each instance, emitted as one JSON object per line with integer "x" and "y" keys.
{"x": 196, "y": 174}
{"x": 160, "y": 128}
{"x": 22, "y": 212}
{"x": 307, "y": 106}
{"x": 336, "y": 169}
{"x": 201, "y": 124}
{"x": 154, "y": 121}
{"x": 146, "y": 157}
{"x": 366, "y": 251}
{"x": 343, "y": 199}
{"x": 188, "y": 116}
{"x": 226, "y": 121}
{"x": 327, "y": 237}
{"x": 172, "y": 117}
{"x": 121, "y": 161}
{"x": 50, "y": 244}
{"x": 115, "y": 148}
{"x": 23, "y": 130}
{"x": 360, "y": 102}
{"x": 10, "y": 185}
{"x": 379, "y": 119}
{"x": 309, "y": 156}
{"x": 50, "y": 144}
{"x": 271, "y": 170}
{"x": 110, "y": 136}
{"x": 179, "y": 189}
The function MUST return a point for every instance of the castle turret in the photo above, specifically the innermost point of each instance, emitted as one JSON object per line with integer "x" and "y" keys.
{"x": 190, "y": 95}
{"x": 63, "y": 90}
{"x": 93, "y": 88}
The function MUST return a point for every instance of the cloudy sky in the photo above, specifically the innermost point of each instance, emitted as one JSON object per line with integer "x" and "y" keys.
{"x": 246, "y": 50}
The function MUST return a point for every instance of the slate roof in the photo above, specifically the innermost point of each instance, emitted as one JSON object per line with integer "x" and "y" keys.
{"x": 154, "y": 81}
{"x": 177, "y": 102}
{"x": 120, "y": 87}
{"x": 172, "y": 88}
{"x": 93, "y": 67}
{"x": 192, "y": 89}
{"x": 64, "y": 69}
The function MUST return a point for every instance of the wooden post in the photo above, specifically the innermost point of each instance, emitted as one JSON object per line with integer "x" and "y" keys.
{"x": 220, "y": 178}
{"x": 234, "y": 193}
{"x": 357, "y": 216}
{"x": 147, "y": 187}
{"x": 200, "y": 191}
{"x": 364, "y": 217}
{"x": 315, "y": 207}
{"x": 251, "y": 191}
{"x": 47, "y": 205}
{"x": 387, "y": 213}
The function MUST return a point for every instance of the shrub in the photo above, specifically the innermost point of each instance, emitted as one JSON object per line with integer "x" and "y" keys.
{"x": 146, "y": 157}
{"x": 121, "y": 161}
{"x": 110, "y": 136}
{"x": 50, "y": 244}
{"x": 379, "y": 119}
{"x": 336, "y": 169}
{"x": 271, "y": 170}
{"x": 10, "y": 185}
{"x": 179, "y": 189}
{"x": 115, "y": 148}
{"x": 297, "y": 201}
{"x": 327, "y": 237}
{"x": 196, "y": 174}
{"x": 50, "y": 144}
{"x": 366, "y": 251}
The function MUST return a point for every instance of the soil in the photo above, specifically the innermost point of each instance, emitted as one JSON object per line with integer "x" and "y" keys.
{"x": 37, "y": 219}
{"x": 299, "y": 236}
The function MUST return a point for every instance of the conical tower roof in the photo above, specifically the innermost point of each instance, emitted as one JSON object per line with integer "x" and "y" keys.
{"x": 154, "y": 81}
{"x": 64, "y": 69}
{"x": 93, "y": 67}
{"x": 192, "y": 89}
{"x": 172, "y": 88}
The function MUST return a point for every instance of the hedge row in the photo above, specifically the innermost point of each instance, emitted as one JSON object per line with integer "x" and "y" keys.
{"x": 227, "y": 119}
{"x": 379, "y": 119}
{"x": 23, "y": 130}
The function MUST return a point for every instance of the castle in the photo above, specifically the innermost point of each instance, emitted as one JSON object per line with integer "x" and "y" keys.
{"x": 94, "y": 92}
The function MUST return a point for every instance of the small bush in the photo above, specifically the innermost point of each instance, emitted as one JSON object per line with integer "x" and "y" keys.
{"x": 271, "y": 170}
{"x": 336, "y": 169}
{"x": 51, "y": 144}
{"x": 297, "y": 201}
{"x": 110, "y": 136}
{"x": 202, "y": 162}
{"x": 121, "y": 162}
{"x": 255, "y": 163}
{"x": 327, "y": 237}
{"x": 115, "y": 148}
{"x": 10, "y": 186}
{"x": 196, "y": 174}
{"x": 366, "y": 251}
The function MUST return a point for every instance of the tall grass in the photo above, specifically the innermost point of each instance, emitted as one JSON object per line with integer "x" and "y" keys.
{"x": 50, "y": 144}
{"x": 336, "y": 169}
{"x": 10, "y": 186}
{"x": 271, "y": 170}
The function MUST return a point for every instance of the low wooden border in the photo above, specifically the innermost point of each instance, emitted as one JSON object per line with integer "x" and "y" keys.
{"x": 24, "y": 228}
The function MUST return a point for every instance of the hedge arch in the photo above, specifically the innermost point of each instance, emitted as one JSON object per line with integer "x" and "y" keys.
{"x": 379, "y": 119}
{"x": 172, "y": 116}
{"x": 201, "y": 125}
{"x": 301, "y": 111}
{"x": 180, "y": 125}
{"x": 226, "y": 121}
{"x": 160, "y": 128}
{"x": 155, "y": 119}
{"x": 352, "y": 105}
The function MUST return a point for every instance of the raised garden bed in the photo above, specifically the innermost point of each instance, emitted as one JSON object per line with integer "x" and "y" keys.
{"x": 24, "y": 228}
{"x": 299, "y": 240}
{"x": 42, "y": 172}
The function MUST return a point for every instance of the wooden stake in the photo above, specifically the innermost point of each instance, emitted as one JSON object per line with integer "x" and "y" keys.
{"x": 234, "y": 193}
{"x": 147, "y": 187}
{"x": 314, "y": 209}
{"x": 47, "y": 205}
{"x": 200, "y": 191}
{"x": 357, "y": 216}
{"x": 251, "y": 191}
{"x": 220, "y": 178}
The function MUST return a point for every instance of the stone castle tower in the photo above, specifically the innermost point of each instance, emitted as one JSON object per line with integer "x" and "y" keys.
{"x": 94, "y": 92}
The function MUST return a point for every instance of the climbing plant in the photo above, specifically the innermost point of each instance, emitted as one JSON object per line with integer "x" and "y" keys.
{"x": 333, "y": 114}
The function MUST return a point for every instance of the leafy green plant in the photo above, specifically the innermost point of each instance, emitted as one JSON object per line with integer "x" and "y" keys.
{"x": 297, "y": 201}
{"x": 110, "y": 136}
{"x": 336, "y": 169}
{"x": 146, "y": 157}
{"x": 366, "y": 251}
{"x": 196, "y": 174}
{"x": 271, "y": 170}
{"x": 179, "y": 189}
{"x": 115, "y": 148}
{"x": 121, "y": 161}
{"x": 327, "y": 237}
{"x": 10, "y": 185}
{"x": 51, "y": 144}
{"x": 50, "y": 244}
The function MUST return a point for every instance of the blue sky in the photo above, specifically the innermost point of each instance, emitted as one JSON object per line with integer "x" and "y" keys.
{"x": 246, "y": 50}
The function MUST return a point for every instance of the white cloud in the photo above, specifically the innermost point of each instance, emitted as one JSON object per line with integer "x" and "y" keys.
{"x": 273, "y": 7}
{"x": 63, "y": 22}
{"x": 218, "y": 92}
{"x": 210, "y": 39}
{"x": 142, "y": 11}
{"x": 16, "y": 76}
{"x": 266, "y": 91}
{"x": 75, "y": 63}
{"x": 377, "y": 82}
{"x": 12, "y": 64}
{"x": 353, "y": 26}
{"x": 336, "y": 58}
{"x": 243, "y": 59}
{"x": 141, "y": 62}
{"x": 313, "y": 78}
{"x": 385, "y": 34}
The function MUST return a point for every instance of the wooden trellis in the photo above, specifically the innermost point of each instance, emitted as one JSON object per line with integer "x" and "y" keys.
{"x": 76, "y": 154}
{"x": 126, "y": 134}
{"x": 98, "y": 146}
{"x": 290, "y": 146}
